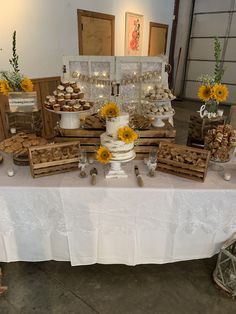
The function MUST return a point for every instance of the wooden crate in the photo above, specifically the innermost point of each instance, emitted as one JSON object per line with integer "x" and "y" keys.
{"x": 90, "y": 138}
{"x": 54, "y": 158}
{"x": 198, "y": 128}
{"x": 176, "y": 159}
{"x": 25, "y": 121}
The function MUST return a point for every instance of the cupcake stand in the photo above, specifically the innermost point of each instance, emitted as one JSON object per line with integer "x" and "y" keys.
{"x": 154, "y": 109}
{"x": 71, "y": 119}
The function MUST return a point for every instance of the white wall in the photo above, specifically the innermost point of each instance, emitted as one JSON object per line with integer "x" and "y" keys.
{"x": 47, "y": 29}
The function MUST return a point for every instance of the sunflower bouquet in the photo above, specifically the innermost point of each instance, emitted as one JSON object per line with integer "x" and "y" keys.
{"x": 14, "y": 81}
{"x": 212, "y": 92}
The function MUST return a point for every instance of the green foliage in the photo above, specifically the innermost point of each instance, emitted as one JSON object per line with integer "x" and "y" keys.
{"x": 14, "y": 79}
{"x": 15, "y": 57}
{"x": 218, "y": 71}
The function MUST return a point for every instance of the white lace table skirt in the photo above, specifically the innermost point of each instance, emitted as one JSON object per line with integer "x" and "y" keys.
{"x": 64, "y": 218}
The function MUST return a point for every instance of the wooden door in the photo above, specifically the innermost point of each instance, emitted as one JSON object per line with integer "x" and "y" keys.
{"x": 157, "y": 39}
{"x": 96, "y": 33}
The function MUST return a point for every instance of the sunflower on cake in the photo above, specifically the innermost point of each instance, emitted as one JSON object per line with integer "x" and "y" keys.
{"x": 117, "y": 143}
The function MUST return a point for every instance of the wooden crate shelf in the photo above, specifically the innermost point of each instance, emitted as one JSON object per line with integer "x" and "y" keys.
{"x": 51, "y": 159}
{"x": 90, "y": 138}
{"x": 183, "y": 161}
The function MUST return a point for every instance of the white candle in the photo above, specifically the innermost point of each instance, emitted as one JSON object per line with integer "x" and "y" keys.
{"x": 10, "y": 173}
{"x": 227, "y": 176}
{"x": 13, "y": 130}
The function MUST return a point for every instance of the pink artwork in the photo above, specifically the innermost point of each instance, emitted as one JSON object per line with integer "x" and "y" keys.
{"x": 133, "y": 34}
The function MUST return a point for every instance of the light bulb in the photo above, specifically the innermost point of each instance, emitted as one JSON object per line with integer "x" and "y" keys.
{"x": 96, "y": 73}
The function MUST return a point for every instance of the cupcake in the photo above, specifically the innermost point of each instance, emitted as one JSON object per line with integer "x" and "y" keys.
{"x": 74, "y": 95}
{"x": 66, "y": 108}
{"x": 87, "y": 106}
{"x": 65, "y": 83}
{"x": 60, "y": 88}
{"x": 67, "y": 96}
{"x": 76, "y": 89}
{"x": 52, "y": 101}
{"x": 61, "y": 102}
{"x": 77, "y": 107}
{"x": 80, "y": 95}
{"x": 69, "y": 89}
{"x": 56, "y": 107}
{"x": 60, "y": 96}
{"x": 47, "y": 105}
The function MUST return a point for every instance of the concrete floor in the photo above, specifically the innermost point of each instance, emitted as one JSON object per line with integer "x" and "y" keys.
{"x": 56, "y": 287}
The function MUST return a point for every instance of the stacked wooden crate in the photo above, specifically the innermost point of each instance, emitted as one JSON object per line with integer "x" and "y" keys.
{"x": 198, "y": 128}
{"x": 25, "y": 121}
{"x": 90, "y": 138}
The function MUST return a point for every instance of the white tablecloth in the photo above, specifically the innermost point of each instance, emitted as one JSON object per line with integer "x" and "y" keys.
{"x": 63, "y": 217}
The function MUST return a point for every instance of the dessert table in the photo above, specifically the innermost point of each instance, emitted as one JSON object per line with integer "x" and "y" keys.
{"x": 64, "y": 218}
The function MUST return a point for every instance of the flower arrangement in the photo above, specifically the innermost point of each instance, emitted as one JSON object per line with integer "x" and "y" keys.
{"x": 14, "y": 81}
{"x": 127, "y": 135}
{"x": 217, "y": 92}
{"x": 103, "y": 155}
{"x": 110, "y": 110}
{"x": 212, "y": 92}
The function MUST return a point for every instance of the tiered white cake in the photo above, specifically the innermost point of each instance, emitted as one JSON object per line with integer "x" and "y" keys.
{"x": 119, "y": 149}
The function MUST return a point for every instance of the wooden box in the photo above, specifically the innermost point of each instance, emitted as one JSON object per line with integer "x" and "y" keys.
{"x": 198, "y": 128}
{"x": 54, "y": 158}
{"x": 183, "y": 161}
{"x": 90, "y": 138}
{"x": 25, "y": 121}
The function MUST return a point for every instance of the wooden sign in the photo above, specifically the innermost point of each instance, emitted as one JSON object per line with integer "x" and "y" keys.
{"x": 183, "y": 161}
{"x": 54, "y": 158}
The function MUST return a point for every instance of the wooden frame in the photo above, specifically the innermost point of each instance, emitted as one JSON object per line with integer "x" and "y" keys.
{"x": 133, "y": 47}
{"x": 159, "y": 25}
{"x": 54, "y": 159}
{"x": 104, "y": 16}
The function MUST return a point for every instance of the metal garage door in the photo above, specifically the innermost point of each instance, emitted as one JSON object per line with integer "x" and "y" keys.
{"x": 211, "y": 18}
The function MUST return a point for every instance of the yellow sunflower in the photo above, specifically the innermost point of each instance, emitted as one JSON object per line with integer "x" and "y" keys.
{"x": 127, "y": 135}
{"x": 110, "y": 110}
{"x": 5, "y": 87}
{"x": 103, "y": 155}
{"x": 26, "y": 85}
{"x": 205, "y": 92}
{"x": 220, "y": 92}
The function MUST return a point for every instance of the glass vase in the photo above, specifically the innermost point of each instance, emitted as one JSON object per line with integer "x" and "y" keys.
{"x": 212, "y": 106}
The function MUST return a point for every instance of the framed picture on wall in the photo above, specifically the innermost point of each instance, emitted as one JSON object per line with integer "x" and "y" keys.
{"x": 133, "y": 34}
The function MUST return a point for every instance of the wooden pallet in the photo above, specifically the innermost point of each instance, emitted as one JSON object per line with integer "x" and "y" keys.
{"x": 51, "y": 159}
{"x": 176, "y": 159}
{"x": 198, "y": 128}
{"x": 90, "y": 138}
